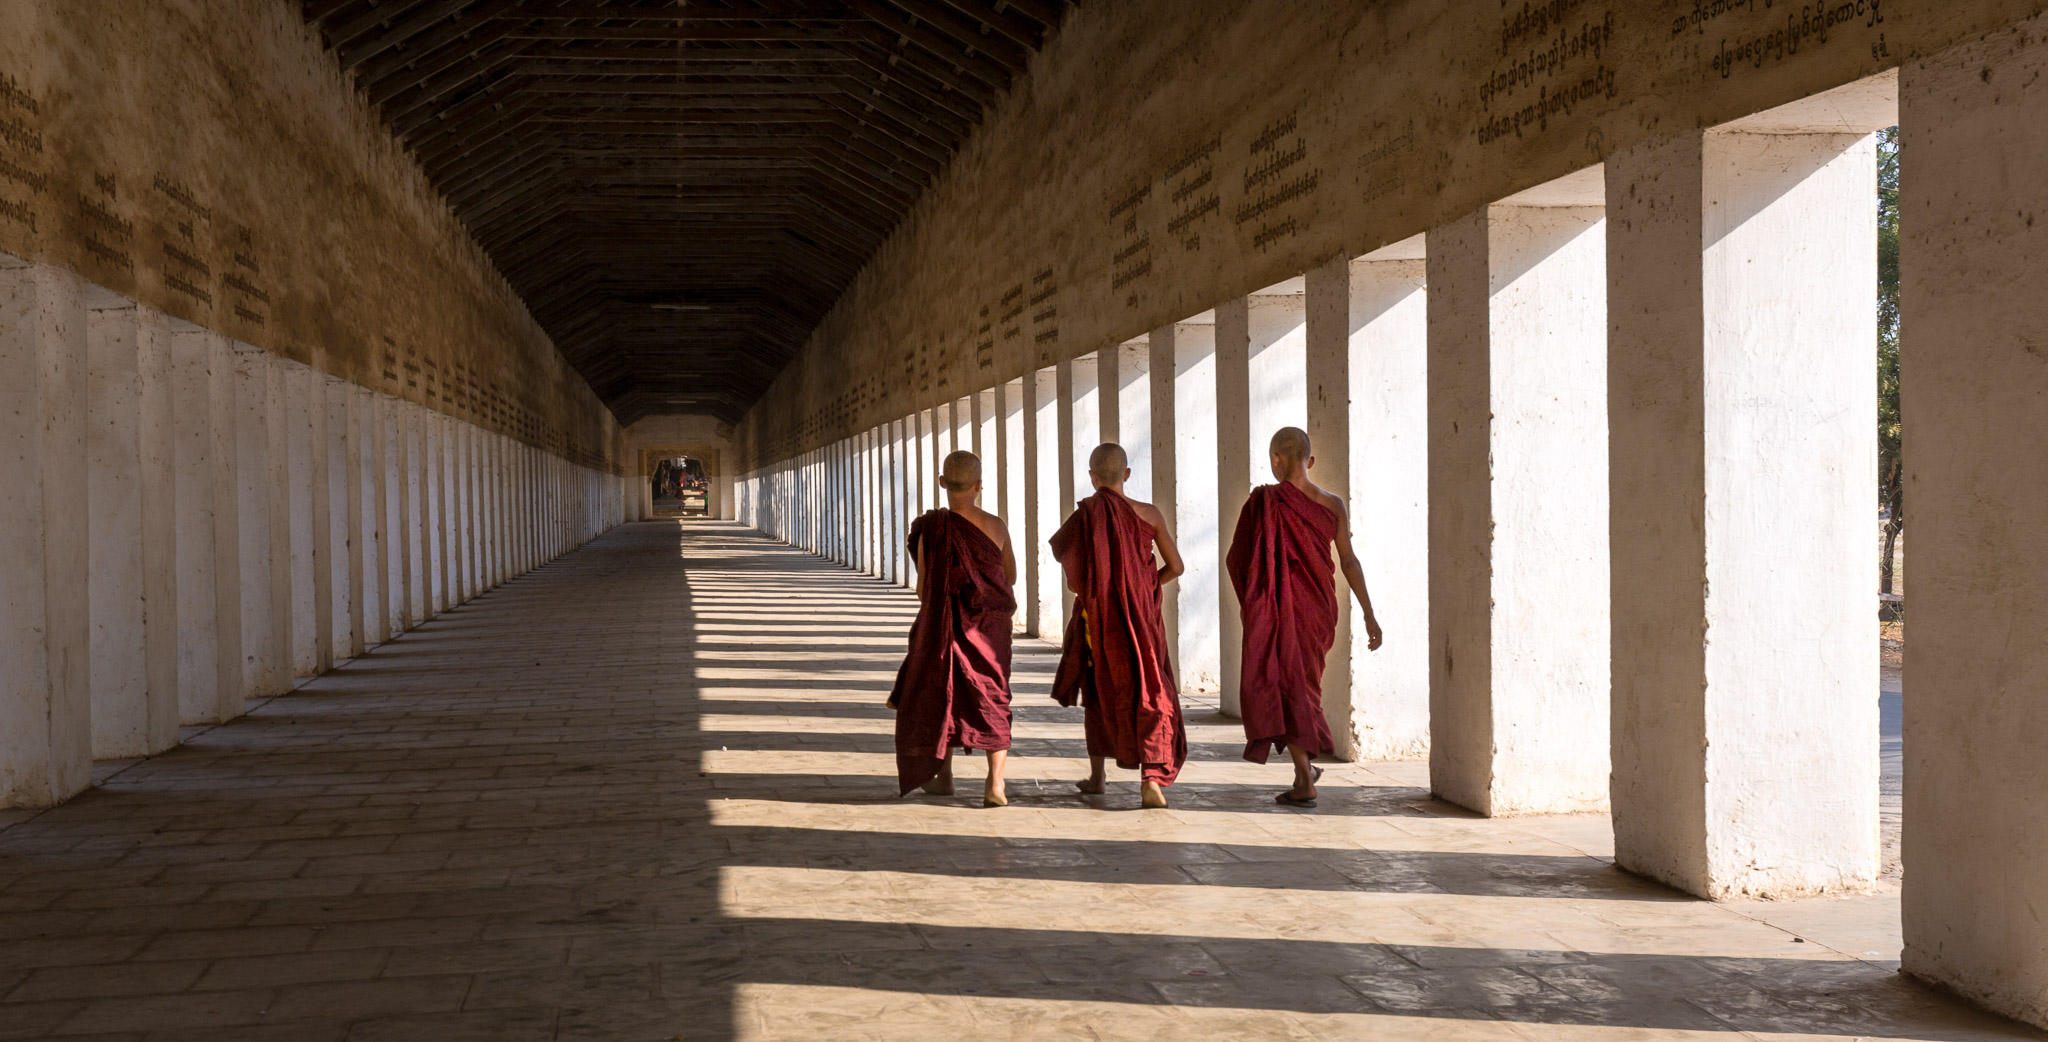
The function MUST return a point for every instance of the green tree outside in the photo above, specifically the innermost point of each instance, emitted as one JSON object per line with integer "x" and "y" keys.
{"x": 1891, "y": 484}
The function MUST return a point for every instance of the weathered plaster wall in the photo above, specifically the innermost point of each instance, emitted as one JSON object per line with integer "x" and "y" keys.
{"x": 207, "y": 158}
{"x": 1163, "y": 155}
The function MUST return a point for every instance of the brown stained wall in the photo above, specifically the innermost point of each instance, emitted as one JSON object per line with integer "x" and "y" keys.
{"x": 207, "y": 158}
{"x": 1162, "y": 155}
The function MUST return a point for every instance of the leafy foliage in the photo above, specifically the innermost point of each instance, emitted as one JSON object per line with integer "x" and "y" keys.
{"x": 1891, "y": 484}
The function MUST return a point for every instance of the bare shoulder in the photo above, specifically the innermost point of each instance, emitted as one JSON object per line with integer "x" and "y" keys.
{"x": 990, "y": 525}
{"x": 1149, "y": 513}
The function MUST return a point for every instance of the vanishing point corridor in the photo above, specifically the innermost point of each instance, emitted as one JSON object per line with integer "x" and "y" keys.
{"x": 644, "y": 792}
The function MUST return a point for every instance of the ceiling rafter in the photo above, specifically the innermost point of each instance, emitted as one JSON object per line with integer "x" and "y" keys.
{"x": 739, "y": 158}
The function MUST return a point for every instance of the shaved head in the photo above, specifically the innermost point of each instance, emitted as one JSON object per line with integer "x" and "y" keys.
{"x": 1290, "y": 443}
{"x": 961, "y": 472}
{"x": 1108, "y": 463}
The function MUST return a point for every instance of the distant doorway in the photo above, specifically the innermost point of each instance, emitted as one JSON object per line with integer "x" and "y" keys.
{"x": 680, "y": 487}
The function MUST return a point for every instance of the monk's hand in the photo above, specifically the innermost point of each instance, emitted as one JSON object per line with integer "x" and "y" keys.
{"x": 1373, "y": 636}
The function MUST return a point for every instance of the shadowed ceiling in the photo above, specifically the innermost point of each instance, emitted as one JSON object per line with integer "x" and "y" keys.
{"x": 681, "y": 190}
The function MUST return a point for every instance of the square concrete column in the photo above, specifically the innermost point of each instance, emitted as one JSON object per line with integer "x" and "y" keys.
{"x": 130, "y": 520}
{"x": 447, "y": 513}
{"x": 413, "y": 462}
{"x": 45, "y": 621}
{"x": 296, "y": 459}
{"x": 1127, "y": 411}
{"x": 893, "y": 486}
{"x": 433, "y": 446}
{"x": 1108, "y": 411}
{"x": 988, "y": 445}
{"x": 366, "y": 498}
{"x": 1388, "y": 476}
{"x": 1083, "y": 420}
{"x": 385, "y": 439}
{"x": 1009, "y": 498}
{"x": 1742, "y": 284}
{"x": 265, "y": 542}
{"x": 1973, "y": 255}
{"x": 1326, "y": 361}
{"x": 464, "y": 499}
{"x": 207, "y": 554}
{"x": 316, "y": 486}
{"x": 1048, "y": 497}
{"x": 1163, "y": 459}
{"x": 345, "y": 515}
{"x": 1197, "y": 617}
{"x": 279, "y": 423}
{"x": 1518, "y": 505}
{"x": 963, "y": 424}
{"x": 1232, "y": 419}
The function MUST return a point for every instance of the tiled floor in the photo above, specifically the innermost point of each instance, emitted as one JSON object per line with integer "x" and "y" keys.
{"x": 645, "y": 793}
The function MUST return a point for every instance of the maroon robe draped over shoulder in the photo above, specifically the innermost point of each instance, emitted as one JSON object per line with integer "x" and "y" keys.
{"x": 1281, "y": 567}
{"x": 1115, "y": 662}
{"x": 953, "y": 689}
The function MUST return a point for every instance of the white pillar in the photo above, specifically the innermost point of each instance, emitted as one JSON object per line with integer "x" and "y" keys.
{"x": 433, "y": 544}
{"x": 899, "y": 485}
{"x": 208, "y": 573}
{"x": 1164, "y": 460}
{"x": 130, "y": 520}
{"x": 412, "y": 463}
{"x": 366, "y": 523}
{"x": 1102, "y": 367}
{"x": 963, "y": 425}
{"x": 1009, "y": 443}
{"x": 1518, "y": 509}
{"x": 1973, "y": 255}
{"x": 278, "y": 477}
{"x": 1048, "y": 497}
{"x": 1084, "y": 418}
{"x": 297, "y": 462}
{"x": 345, "y": 514}
{"x": 1233, "y": 484}
{"x": 265, "y": 667}
{"x": 45, "y": 627}
{"x": 1129, "y": 387}
{"x": 393, "y": 523}
{"x": 1326, "y": 367}
{"x": 1389, "y": 498}
{"x": 1196, "y": 506}
{"x": 1742, "y": 278}
{"x": 320, "y": 547}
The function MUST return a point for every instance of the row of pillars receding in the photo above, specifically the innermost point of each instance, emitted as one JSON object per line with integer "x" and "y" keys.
{"x": 1610, "y": 452}
{"x": 192, "y": 522}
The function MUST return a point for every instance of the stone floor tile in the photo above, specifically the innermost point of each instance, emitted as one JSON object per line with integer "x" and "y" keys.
{"x": 214, "y": 1009}
{"x": 646, "y": 791}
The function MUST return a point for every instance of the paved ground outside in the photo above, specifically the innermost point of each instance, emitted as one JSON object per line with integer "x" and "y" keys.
{"x": 646, "y": 792}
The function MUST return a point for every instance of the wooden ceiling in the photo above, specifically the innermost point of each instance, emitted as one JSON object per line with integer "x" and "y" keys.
{"x": 680, "y": 190}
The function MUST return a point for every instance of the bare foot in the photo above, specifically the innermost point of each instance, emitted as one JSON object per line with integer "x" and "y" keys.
{"x": 994, "y": 798}
{"x": 1091, "y": 786}
{"x": 1151, "y": 796}
{"x": 940, "y": 785}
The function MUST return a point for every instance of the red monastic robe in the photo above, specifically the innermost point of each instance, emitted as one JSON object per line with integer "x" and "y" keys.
{"x": 953, "y": 689}
{"x": 1115, "y": 661}
{"x": 1281, "y": 566}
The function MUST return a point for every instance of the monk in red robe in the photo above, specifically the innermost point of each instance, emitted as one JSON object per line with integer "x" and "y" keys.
{"x": 1281, "y": 567}
{"x": 1115, "y": 662}
{"x": 953, "y": 690}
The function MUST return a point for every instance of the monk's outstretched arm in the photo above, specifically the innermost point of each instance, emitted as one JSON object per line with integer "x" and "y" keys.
{"x": 1355, "y": 575}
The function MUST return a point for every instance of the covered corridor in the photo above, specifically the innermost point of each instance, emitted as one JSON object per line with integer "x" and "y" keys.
{"x": 644, "y": 792}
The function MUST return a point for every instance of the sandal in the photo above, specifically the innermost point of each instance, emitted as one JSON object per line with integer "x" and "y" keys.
{"x": 1289, "y": 799}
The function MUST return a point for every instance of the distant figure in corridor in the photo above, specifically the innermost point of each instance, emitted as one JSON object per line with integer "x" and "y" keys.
{"x": 953, "y": 689}
{"x": 1114, "y": 662}
{"x": 1280, "y": 566}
